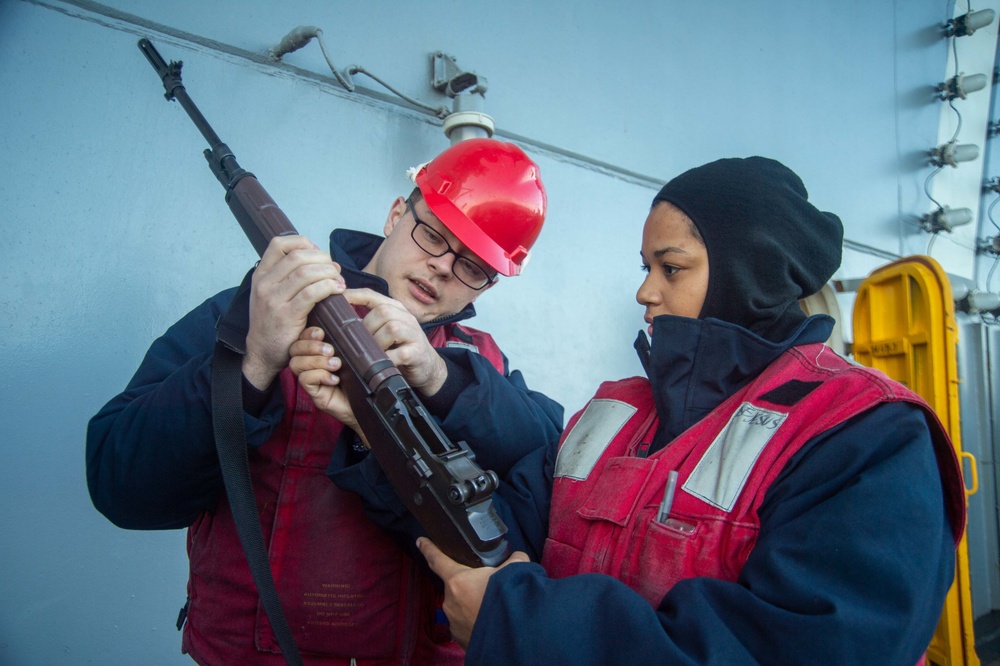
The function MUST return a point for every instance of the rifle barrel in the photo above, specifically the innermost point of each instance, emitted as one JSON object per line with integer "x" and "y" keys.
{"x": 170, "y": 76}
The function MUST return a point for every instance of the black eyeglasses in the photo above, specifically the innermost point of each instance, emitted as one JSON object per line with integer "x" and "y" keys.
{"x": 430, "y": 241}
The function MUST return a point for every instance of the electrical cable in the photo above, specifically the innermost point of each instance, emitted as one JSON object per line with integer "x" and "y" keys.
{"x": 440, "y": 111}
{"x": 347, "y": 83}
{"x": 989, "y": 276}
{"x": 302, "y": 35}
{"x": 989, "y": 212}
{"x": 927, "y": 181}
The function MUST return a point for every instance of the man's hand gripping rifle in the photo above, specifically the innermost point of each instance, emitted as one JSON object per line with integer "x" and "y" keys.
{"x": 438, "y": 481}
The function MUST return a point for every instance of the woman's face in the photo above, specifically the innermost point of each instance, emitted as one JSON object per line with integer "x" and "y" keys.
{"x": 676, "y": 264}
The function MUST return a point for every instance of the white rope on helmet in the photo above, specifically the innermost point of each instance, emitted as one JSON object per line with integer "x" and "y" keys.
{"x": 412, "y": 172}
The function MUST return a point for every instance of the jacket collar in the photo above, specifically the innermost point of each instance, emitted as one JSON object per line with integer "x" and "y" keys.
{"x": 695, "y": 364}
{"x": 353, "y": 250}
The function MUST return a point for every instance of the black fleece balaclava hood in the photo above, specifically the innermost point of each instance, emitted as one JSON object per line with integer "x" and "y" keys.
{"x": 767, "y": 245}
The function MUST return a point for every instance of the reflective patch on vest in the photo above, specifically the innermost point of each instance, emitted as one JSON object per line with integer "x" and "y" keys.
{"x": 721, "y": 473}
{"x": 462, "y": 345}
{"x": 594, "y": 431}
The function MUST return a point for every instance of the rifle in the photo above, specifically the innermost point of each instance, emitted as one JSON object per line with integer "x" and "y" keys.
{"x": 440, "y": 483}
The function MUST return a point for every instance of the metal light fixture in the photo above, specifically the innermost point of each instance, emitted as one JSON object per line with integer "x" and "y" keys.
{"x": 952, "y": 153}
{"x": 966, "y": 24}
{"x": 945, "y": 219}
{"x": 983, "y": 301}
{"x": 960, "y": 86}
{"x": 970, "y": 300}
{"x": 466, "y": 89}
{"x": 989, "y": 245}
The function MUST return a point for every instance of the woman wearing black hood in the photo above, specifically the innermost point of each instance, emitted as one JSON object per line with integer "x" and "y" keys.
{"x": 757, "y": 499}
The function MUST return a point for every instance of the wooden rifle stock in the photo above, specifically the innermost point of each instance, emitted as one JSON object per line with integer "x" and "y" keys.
{"x": 440, "y": 483}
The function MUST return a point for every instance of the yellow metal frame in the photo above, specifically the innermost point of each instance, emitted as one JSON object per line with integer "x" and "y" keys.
{"x": 904, "y": 325}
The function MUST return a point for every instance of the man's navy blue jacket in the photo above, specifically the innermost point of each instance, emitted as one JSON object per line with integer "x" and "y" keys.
{"x": 853, "y": 560}
{"x": 151, "y": 457}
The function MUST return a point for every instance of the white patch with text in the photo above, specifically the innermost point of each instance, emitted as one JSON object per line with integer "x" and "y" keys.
{"x": 596, "y": 428}
{"x": 721, "y": 473}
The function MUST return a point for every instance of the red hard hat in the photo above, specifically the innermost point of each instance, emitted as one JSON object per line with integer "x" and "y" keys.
{"x": 490, "y": 195}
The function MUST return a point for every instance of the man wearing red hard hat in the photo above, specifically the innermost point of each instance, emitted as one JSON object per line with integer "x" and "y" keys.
{"x": 350, "y": 594}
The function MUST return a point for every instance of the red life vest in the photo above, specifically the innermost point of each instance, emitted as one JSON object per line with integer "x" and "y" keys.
{"x": 606, "y": 496}
{"x": 350, "y": 595}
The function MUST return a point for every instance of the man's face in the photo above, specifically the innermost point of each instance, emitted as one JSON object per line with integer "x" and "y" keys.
{"x": 676, "y": 265}
{"x": 425, "y": 285}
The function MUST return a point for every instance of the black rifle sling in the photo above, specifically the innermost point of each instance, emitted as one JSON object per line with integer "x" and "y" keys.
{"x": 230, "y": 441}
